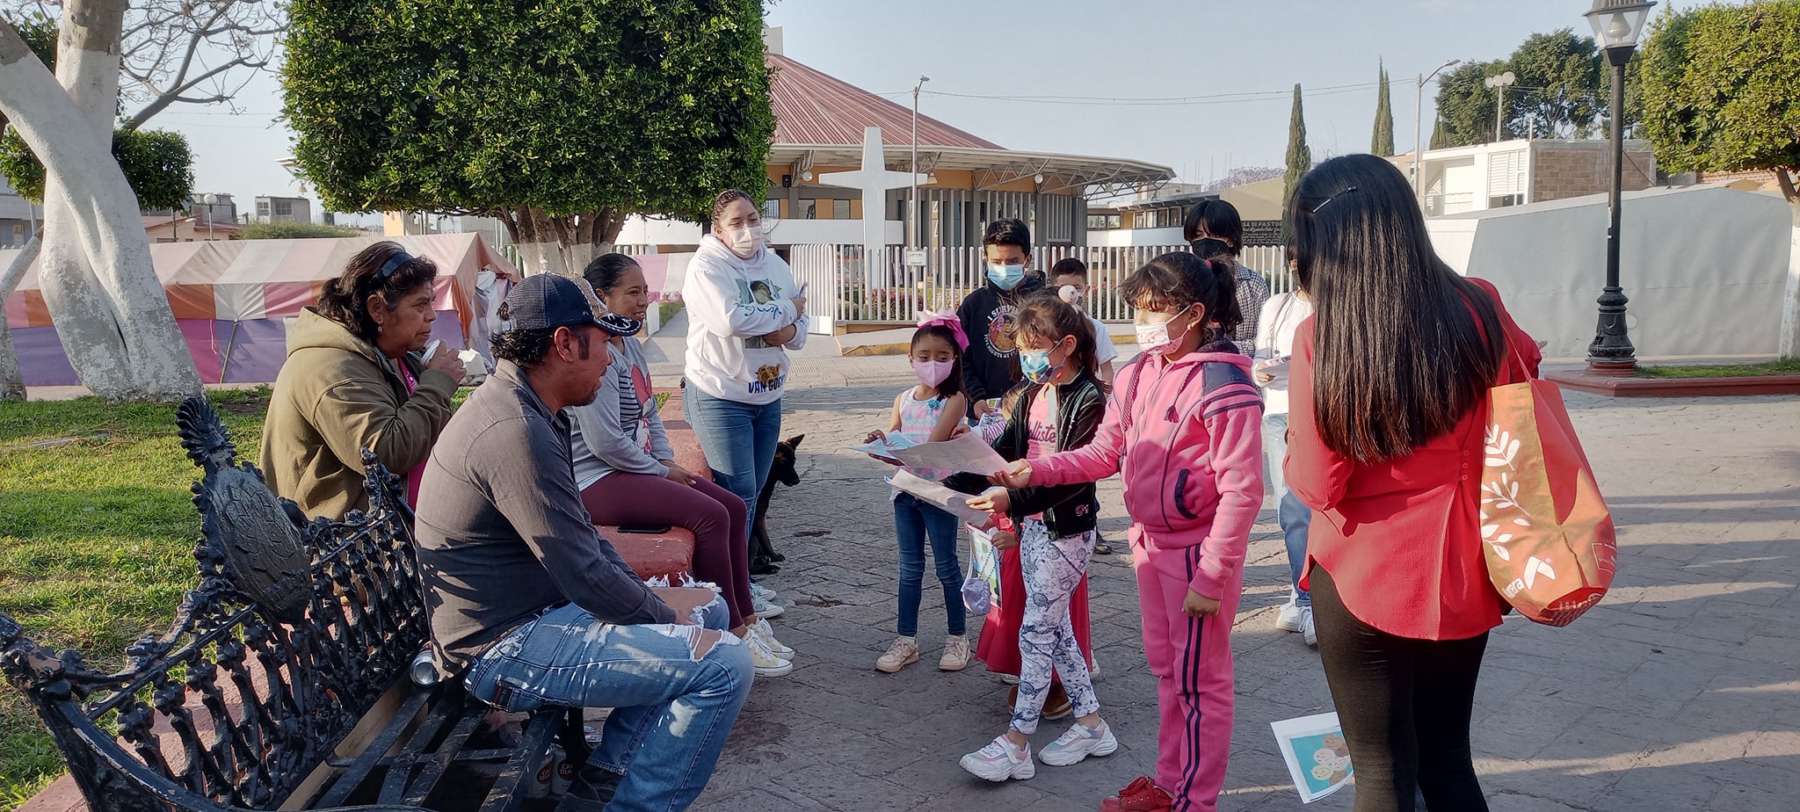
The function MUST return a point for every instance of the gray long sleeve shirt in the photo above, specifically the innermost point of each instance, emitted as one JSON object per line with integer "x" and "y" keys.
{"x": 612, "y": 432}
{"x": 501, "y": 531}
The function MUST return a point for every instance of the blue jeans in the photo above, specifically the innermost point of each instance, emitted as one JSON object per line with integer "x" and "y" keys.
{"x": 1294, "y": 515}
{"x": 913, "y": 522}
{"x": 672, "y": 709}
{"x": 739, "y": 441}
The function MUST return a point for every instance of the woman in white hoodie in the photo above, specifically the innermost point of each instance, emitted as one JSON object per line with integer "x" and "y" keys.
{"x": 744, "y": 313}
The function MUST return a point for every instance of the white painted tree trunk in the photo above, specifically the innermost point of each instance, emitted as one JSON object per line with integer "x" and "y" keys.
{"x": 12, "y": 383}
{"x": 1790, "y": 308}
{"x": 97, "y": 278}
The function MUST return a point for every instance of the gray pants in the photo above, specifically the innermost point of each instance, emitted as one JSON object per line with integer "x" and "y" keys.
{"x": 1053, "y": 568}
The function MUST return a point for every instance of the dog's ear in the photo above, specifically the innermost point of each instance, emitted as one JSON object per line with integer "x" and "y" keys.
{"x": 794, "y": 441}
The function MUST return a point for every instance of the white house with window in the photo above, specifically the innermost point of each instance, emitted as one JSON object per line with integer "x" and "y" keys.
{"x": 270, "y": 209}
{"x": 1513, "y": 173}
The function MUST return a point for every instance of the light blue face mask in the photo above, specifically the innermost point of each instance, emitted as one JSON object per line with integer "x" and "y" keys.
{"x": 1005, "y": 277}
{"x": 1036, "y": 365}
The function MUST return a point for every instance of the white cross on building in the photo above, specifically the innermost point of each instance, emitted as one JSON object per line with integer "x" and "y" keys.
{"x": 874, "y": 180}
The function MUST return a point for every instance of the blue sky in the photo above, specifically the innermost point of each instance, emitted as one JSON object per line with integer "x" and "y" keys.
{"x": 1139, "y": 50}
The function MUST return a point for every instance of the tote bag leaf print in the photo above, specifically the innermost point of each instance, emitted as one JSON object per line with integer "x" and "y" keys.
{"x": 1546, "y": 533}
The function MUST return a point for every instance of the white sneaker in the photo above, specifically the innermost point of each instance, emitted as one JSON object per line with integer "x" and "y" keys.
{"x": 903, "y": 652}
{"x": 764, "y": 661}
{"x": 765, "y": 609}
{"x": 1311, "y": 632}
{"x": 999, "y": 761}
{"x": 1079, "y": 742}
{"x": 760, "y": 591}
{"x": 1290, "y": 618}
{"x": 763, "y": 632}
{"x": 956, "y": 654}
{"x": 1010, "y": 679}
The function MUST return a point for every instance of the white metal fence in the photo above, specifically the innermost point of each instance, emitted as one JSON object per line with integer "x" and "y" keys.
{"x": 841, "y": 288}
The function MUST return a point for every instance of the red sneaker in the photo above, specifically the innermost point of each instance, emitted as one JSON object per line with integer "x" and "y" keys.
{"x": 1141, "y": 795}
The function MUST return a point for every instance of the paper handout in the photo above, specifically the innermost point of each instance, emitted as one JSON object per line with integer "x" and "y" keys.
{"x": 885, "y": 449}
{"x": 966, "y": 453}
{"x": 939, "y": 496}
{"x": 1318, "y": 758}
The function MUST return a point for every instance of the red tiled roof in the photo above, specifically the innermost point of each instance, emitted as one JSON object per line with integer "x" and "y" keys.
{"x": 813, "y": 108}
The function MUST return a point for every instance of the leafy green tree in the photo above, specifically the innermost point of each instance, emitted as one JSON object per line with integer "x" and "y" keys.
{"x": 157, "y": 163}
{"x": 560, "y": 119}
{"x": 1383, "y": 142}
{"x": 1561, "y": 89}
{"x": 1465, "y": 105}
{"x": 1299, "y": 157}
{"x": 1720, "y": 88}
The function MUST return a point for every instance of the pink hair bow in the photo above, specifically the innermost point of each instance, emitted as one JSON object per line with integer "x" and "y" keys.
{"x": 948, "y": 320}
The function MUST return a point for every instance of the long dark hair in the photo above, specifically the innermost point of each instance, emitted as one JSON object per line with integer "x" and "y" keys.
{"x": 1399, "y": 336}
{"x": 1178, "y": 279}
{"x": 1047, "y": 318}
{"x": 953, "y": 385}
{"x": 345, "y": 299}
{"x": 604, "y": 271}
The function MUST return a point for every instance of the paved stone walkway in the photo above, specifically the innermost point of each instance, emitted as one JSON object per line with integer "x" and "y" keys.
{"x": 1681, "y": 692}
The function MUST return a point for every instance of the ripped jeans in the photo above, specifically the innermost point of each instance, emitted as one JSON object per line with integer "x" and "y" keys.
{"x": 675, "y": 691}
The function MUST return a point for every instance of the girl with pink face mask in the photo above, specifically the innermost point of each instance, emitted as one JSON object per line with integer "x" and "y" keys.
{"x": 932, "y": 411}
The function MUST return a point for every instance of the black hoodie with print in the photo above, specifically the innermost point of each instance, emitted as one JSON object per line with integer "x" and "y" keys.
{"x": 990, "y": 367}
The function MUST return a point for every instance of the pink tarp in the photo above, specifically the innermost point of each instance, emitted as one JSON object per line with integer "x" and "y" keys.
{"x": 232, "y": 299}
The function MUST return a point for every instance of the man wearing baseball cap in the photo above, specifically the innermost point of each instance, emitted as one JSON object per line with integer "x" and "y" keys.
{"x": 531, "y": 607}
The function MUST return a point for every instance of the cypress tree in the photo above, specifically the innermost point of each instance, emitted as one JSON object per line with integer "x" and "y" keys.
{"x": 1299, "y": 157}
{"x": 1383, "y": 143}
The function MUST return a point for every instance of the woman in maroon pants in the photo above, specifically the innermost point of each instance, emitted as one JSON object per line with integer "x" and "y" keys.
{"x": 628, "y": 475}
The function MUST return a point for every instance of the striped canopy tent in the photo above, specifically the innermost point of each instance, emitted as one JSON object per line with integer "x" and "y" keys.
{"x": 232, "y": 300}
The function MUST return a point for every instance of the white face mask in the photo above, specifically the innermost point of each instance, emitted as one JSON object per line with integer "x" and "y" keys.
{"x": 1154, "y": 336}
{"x": 743, "y": 241}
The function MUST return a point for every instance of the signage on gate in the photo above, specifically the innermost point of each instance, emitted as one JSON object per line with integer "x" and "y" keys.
{"x": 915, "y": 258}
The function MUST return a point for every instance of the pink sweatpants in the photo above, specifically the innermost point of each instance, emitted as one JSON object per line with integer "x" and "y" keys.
{"x": 1191, "y": 658}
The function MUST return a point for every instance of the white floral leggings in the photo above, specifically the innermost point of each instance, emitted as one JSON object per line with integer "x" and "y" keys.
{"x": 1053, "y": 567}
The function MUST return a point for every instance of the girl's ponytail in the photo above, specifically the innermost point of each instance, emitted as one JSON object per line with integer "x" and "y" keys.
{"x": 1224, "y": 307}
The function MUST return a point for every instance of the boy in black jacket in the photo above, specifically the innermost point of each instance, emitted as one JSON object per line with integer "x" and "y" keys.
{"x": 990, "y": 312}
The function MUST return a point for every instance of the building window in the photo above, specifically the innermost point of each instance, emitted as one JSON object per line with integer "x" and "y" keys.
{"x": 771, "y": 209}
{"x": 840, "y": 209}
{"x": 283, "y": 208}
{"x": 262, "y": 208}
{"x": 18, "y": 234}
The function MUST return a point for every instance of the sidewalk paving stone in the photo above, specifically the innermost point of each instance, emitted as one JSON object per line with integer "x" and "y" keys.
{"x": 1679, "y": 692}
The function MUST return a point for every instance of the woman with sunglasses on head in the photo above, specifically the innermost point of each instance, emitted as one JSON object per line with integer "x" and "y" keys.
{"x": 355, "y": 379}
{"x": 744, "y": 313}
{"x": 1387, "y": 401}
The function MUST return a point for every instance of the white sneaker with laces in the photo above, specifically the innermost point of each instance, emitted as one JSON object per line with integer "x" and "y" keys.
{"x": 760, "y": 591}
{"x": 956, "y": 654}
{"x": 764, "y": 661}
{"x": 765, "y": 633}
{"x": 1311, "y": 632}
{"x": 765, "y": 609}
{"x": 1289, "y": 620}
{"x": 903, "y": 652}
{"x": 1079, "y": 742}
{"x": 999, "y": 760}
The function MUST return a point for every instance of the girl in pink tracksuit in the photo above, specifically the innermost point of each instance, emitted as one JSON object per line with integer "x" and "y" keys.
{"x": 1184, "y": 426}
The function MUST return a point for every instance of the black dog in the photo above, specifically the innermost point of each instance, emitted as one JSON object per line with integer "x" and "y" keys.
{"x": 762, "y": 553}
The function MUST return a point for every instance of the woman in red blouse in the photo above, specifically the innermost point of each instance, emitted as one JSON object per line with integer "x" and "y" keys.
{"x": 1387, "y": 404}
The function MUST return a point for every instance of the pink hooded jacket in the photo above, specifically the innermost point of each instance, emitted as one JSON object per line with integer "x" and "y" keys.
{"x": 1191, "y": 456}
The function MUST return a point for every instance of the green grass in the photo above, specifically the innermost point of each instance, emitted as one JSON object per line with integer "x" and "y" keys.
{"x": 1788, "y": 367}
{"x": 97, "y": 532}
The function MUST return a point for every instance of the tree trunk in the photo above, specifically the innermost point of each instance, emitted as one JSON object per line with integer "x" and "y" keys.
{"x": 1790, "y": 302}
{"x": 12, "y": 383}
{"x": 98, "y": 281}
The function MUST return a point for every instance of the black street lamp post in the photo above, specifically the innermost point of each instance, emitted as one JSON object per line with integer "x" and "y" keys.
{"x": 1617, "y": 25}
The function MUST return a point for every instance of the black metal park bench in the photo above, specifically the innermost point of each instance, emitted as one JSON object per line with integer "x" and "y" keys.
{"x": 284, "y": 679}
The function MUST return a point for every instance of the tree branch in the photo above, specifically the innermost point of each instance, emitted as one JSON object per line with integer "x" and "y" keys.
{"x": 1785, "y": 178}
{"x": 174, "y": 95}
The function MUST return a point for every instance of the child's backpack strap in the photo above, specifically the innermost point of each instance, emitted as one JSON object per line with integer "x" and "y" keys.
{"x": 1136, "y": 370}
